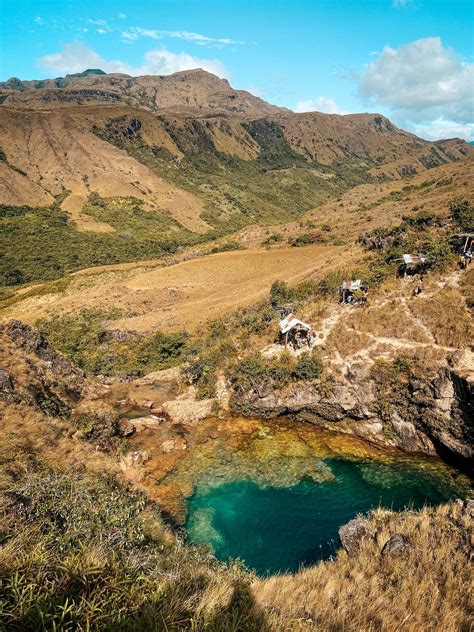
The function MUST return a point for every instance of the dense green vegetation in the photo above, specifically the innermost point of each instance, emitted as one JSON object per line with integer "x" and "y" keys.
{"x": 38, "y": 244}
{"x": 425, "y": 233}
{"x": 255, "y": 373}
{"x": 462, "y": 212}
{"x": 84, "y": 338}
{"x": 277, "y": 186}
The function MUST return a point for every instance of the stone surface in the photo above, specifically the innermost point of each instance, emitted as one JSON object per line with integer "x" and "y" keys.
{"x": 397, "y": 545}
{"x": 6, "y": 387}
{"x": 172, "y": 445}
{"x": 353, "y": 533}
{"x": 187, "y": 409}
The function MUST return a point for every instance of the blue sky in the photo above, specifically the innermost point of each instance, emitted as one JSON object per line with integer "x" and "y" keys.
{"x": 409, "y": 59}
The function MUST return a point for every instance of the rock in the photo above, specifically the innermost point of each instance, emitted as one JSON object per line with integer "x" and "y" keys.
{"x": 397, "y": 546}
{"x": 352, "y": 534}
{"x": 136, "y": 458}
{"x": 187, "y": 409}
{"x": 174, "y": 444}
{"x": 358, "y": 372}
{"x": 6, "y": 387}
{"x": 469, "y": 507}
{"x": 150, "y": 421}
{"x": 409, "y": 438}
{"x": 127, "y": 429}
{"x": 19, "y": 504}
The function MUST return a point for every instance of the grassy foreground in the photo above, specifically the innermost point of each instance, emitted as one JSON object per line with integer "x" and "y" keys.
{"x": 81, "y": 551}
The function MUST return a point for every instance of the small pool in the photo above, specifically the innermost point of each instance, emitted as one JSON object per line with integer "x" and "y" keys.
{"x": 281, "y": 528}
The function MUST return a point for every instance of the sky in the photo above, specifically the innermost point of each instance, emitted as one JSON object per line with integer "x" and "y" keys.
{"x": 411, "y": 60}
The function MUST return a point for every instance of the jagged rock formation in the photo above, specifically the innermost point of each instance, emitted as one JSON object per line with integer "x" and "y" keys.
{"x": 442, "y": 423}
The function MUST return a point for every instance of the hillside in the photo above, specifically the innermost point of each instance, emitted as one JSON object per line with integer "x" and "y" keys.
{"x": 153, "y": 233}
{"x": 190, "y": 159}
{"x": 186, "y": 293}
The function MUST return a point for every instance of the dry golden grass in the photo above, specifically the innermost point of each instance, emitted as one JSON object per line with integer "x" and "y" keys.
{"x": 428, "y": 589}
{"x": 390, "y": 321}
{"x": 185, "y": 295}
{"x": 466, "y": 285}
{"x": 346, "y": 341}
{"x": 446, "y": 315}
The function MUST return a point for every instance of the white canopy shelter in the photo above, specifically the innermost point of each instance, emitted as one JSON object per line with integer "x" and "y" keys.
{"x": 290, "y": 322}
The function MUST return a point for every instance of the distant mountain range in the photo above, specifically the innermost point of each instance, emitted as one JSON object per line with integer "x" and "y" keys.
{"x": 204, "y": 158}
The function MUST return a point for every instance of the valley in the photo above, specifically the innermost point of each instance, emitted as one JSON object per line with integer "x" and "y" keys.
{"x": 166, "y": 453}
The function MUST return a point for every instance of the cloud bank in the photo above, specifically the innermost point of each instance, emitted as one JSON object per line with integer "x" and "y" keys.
{"x": 420, "y": 81}
{"x": 319, "y": 104}
{"x": 76, "y": 57}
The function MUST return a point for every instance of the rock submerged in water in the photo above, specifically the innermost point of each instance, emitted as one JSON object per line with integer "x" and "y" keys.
{"x": 397, "y": 545}
{"x": 352, "y": 534}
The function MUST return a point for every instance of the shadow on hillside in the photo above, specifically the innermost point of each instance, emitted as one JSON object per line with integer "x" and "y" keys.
{"x": 241, "y": 614}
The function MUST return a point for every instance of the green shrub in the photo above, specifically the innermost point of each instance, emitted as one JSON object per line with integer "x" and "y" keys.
{"x": 462, "y": 212}
{"x": 308, "y": 367}
{"x": 226, "y": 247}
{"x": 255, "y": 373}
{"x": 272, "y": 239}
{"x": 85, "y": 339}
{"x": 305, "y": 239}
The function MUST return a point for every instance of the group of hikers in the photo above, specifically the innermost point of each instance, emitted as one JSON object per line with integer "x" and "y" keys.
{"x": 299, "y": 335}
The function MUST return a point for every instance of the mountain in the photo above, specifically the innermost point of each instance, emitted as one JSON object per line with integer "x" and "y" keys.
{"x": 144, "y": 165}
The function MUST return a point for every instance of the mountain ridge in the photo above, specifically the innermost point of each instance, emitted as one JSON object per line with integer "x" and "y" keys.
{"x": 145, "y": 165}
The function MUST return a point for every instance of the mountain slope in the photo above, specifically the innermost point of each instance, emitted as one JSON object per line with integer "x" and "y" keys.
{"x": 177, "y": 160}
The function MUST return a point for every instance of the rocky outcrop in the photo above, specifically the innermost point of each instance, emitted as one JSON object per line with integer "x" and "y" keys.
{"x": 397, "y": 546}
{"x": 353, "y": 533}
{"x": 7, "y": 391}
{"x": 33, "y": 373}
{"x": 435, "y": 419}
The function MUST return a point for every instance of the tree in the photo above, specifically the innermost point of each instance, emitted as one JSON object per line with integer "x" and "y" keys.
{"x": 462, "y": 212}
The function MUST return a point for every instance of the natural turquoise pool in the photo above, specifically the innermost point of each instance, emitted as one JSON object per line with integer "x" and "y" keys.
{"x": 275, "y": 529}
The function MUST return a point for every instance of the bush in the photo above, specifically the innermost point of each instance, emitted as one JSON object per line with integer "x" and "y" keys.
{"x": 281, "y": 292}
{"x": 227, "y": 247}
{"x": 97, "y": 350}
{"x": 306, "y": 238}
{"x": 421, "y": 219}
{"x": 462, "y": 212}
{"x": 308, "y": 367}
{"x": 255, "y": 373}
{"x": 272, "y": 239}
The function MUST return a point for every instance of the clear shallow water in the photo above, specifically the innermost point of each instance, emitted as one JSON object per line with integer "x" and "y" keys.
{"x": 281, "y": 528}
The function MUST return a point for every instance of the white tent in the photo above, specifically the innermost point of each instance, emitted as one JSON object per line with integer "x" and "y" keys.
{"x": 288, "y": 323}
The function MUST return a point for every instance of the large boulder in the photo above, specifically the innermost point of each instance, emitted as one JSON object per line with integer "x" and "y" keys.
{"x": 353, "y": 533}
{"x": 397, "y": 546}
{"x": 6, "y": 387}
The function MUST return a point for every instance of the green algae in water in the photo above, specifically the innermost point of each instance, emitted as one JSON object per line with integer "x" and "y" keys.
{"x": 278, "y": 529}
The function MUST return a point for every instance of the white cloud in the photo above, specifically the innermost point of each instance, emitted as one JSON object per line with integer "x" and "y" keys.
{"x": 39, "y": 20}
{"x": 122, "y": 16}
{"x": 442, "y": 128}
{"x": 77, "y": 57}
{"x": 163, "y": 62}
{"x": 319, "y": 104}
{"x": 101, "y": 31}
{"x": 136, "y": 32}
{"x": 420, "y": 81}
{"x": 398, "y": 4}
